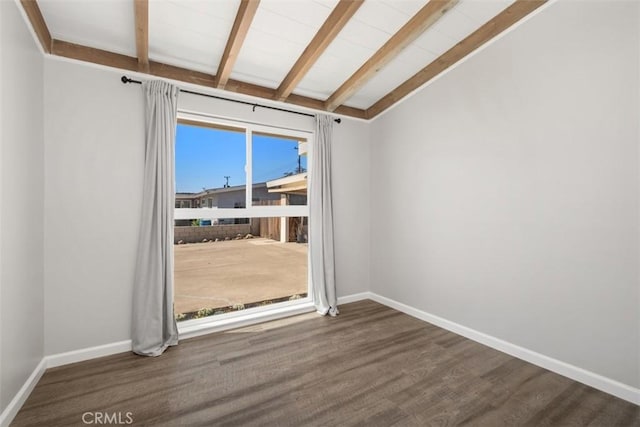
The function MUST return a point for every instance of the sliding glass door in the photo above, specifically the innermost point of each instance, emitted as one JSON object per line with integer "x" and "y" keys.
{"x": 241, "y": 217}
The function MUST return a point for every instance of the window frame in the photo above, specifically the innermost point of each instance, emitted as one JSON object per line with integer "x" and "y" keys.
{"x": 196, "y": 327}
{"x": 249, "y": 211}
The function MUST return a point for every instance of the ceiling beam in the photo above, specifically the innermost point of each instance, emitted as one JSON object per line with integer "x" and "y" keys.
{"x": 93, "y": 55}
{"x": 338, "y": 18}
{"x": 141, "y": 10}
{"x": 38, "y": 24}
{"x": 417, "y": 25}
{"x": 246, "y": 12}
{"x": 505, "y": 19}
{"x": 124, "y": 62}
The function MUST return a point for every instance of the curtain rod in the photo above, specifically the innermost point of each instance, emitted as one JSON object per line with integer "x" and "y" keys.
{"x": 126, "y": 80}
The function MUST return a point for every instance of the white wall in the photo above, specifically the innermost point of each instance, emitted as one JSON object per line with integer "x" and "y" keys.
{"x": 94, "y": 154}
{"x": 93, "y": 173}
{"x": 506, "y": 192}
{"x": 21, "y": 203}
{"x": 351, "y": 195}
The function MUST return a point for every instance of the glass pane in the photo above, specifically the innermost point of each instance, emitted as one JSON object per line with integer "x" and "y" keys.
{"x": 279, "y": 168}
{"x": 238, "y": 264}
{"x": 210, "y": 168}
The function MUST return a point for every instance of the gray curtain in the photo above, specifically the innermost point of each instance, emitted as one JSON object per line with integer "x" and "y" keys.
{"x": 154, "y": 325}
{"x": 321, "y": 220}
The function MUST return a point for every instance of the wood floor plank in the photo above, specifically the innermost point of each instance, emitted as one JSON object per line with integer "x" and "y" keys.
{"x": 371, "y": 366}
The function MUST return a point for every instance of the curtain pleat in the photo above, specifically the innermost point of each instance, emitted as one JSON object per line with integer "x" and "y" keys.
{"x": 154, "y": 326}
{"x": 321, "y": 220}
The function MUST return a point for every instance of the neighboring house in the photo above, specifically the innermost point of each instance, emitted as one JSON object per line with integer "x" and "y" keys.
{"x": 294, "y": 186}
{"x": 225, "y": 197}
{"x": 268, "y": 193}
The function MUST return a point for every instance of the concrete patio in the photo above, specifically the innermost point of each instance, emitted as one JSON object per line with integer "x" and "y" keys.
{"x": 228, "y": 273}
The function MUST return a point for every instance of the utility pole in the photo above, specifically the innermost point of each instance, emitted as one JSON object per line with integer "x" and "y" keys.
{"x": 299, "y": 164}
{"x": 227, "y": 183}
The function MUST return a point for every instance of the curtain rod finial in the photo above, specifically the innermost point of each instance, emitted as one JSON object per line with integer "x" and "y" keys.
{"x": 125, "y": 80}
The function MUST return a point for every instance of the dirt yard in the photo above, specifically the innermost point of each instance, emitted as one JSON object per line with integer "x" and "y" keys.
{"x": 226, "y": 273}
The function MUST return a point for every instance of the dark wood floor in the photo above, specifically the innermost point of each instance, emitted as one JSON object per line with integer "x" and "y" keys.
{"x": 370, "y": 366}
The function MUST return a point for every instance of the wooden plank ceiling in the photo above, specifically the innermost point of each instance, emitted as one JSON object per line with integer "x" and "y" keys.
{"x": 350, "y": 57}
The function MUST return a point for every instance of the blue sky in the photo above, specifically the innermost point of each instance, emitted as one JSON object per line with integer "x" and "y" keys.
{"x": 204, "y": 156}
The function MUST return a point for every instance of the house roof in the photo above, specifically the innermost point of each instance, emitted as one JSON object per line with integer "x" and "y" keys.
{"x": 292, "y": 184}
{"x": 211, "y": 191}
{"x": 350, "y": 57}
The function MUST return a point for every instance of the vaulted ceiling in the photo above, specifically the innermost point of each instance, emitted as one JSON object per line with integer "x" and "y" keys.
{"x": 351, "y": 57}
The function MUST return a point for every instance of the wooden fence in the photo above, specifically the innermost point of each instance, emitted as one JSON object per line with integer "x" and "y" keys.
{"x": 270, "y": 227}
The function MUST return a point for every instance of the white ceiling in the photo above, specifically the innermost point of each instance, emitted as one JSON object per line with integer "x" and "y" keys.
{"x": 192, "y": 34}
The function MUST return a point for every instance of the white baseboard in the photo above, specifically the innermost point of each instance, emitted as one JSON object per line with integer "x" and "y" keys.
{"x": 594, "y": 380}
{"x": 354, "y": 297}
{"x": 81, "y": 355}
{"x": 10, "y": 412}
{"x": 52, "y": 361}
{"x": 607, "y": 385}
